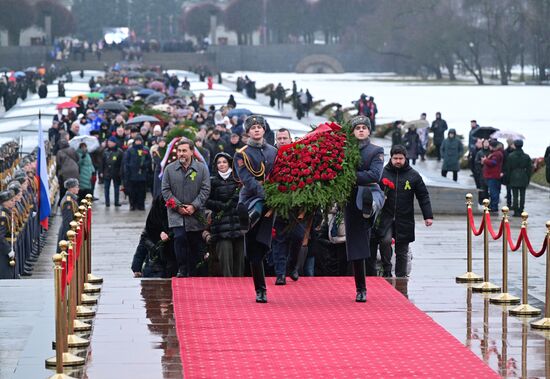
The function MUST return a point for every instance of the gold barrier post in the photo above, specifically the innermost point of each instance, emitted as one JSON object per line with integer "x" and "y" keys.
{"x": 93, "y": 279}
{"x": 62, "y": 356}
{"x": 524, "y": 309}
{"x": 544, "y": 323}
{"x": 73, "y": 341}
{"x": 88, "y": 287}
{"x": 505, "y": 297}
{"x": 486, "y": 286}
{"x": 81, "y": 311}
{"x": 78, "y": 325}
{"x": 469, "y": 276}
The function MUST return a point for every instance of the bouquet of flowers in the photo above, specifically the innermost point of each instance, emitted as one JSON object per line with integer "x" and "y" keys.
{"x": 315, "y": 172}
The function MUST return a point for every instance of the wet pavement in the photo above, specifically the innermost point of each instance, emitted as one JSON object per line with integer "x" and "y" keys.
{"x": 134, "y": 332}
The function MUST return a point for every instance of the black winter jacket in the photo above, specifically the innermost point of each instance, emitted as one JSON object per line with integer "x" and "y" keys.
{"x": 224, "y": 196}
{"x": 398, "y": 211}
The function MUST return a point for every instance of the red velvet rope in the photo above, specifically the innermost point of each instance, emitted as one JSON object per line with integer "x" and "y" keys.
{"x": 473, "y": 225}
{"x": 509, "y": 238}
{"x": 528, "y": 243}
{"x": 63, "y": 278}
{"x": 491, "y": 230}
{"x": 70, "y": 261}
{"x": 78, "y": 242}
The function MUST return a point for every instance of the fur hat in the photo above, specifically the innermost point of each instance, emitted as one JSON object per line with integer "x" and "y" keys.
{"x": 360, "y": 120}
{"x": 254, "y": 120}
{"x": 71, "y": 183}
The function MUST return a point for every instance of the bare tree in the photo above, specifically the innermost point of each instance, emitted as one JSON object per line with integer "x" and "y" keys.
{"x": 63, "y": 22}
{"x": 537, "y": 16}
{"x": 243, "y": 17}
{"x": 15, "y": 16}
{"x": 196, "y": 20}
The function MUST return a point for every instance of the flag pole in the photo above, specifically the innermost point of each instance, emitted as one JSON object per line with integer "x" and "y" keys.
{"x": 39, "y": 248}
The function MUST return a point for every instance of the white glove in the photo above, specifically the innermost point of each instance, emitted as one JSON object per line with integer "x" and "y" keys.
{"x": 11, "y": 255}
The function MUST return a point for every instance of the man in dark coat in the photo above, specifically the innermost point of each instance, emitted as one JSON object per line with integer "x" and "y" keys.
{"x": 42, "y": 90}
{"x": 137, "y": 171}
{"x": 111, "y": 170}
{"x": 397, "y": 217}
{"x": 492, "y": 173}
{"x": 69, "y": 206}
{"x": 438, "y": 129}
{"x": 517, "y": 169}
{"x": 451, "y": 152}
{"x": 364, "y": 203}
{"x": 547, "y": 163}
{"x": 253, "y": 163}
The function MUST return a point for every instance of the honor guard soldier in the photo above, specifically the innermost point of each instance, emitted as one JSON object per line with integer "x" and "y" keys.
{"x": 7, "y": 255}
{"x": 69, "y": 206}
{"x": 253, "y": 163}
{"x": 364, "y": 204}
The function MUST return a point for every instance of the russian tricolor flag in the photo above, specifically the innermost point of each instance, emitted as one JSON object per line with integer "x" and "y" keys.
{"x": 44, "y": 205}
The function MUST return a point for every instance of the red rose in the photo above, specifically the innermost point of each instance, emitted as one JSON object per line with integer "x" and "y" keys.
{"x": 282, "y": 188}
{"x": 293, "y": 187}
{"x": 301, "y": 184}
{"x": 309, "y": 180}
{"x": 316, "y": 177}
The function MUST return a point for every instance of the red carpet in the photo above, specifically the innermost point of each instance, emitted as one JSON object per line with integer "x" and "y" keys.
{"x": 312, "y": 329}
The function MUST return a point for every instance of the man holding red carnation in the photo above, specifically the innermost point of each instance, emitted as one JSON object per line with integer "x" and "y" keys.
{"x": 401, "y": 184}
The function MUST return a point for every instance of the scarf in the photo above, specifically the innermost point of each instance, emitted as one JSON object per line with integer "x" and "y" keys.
{"x": 226, "y": 174}
{"x": 253, "y": 143}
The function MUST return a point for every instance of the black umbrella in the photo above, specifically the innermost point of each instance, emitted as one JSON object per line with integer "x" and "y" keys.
{"x": 150, "y": 74}
{"x": 484, "y": 132}
{"x": 133, "y": 74}
{"x": 115, "y": 90}
{"x": 114, "y": 106}
{"x": 5, "y": 69}
{"x": 155, "y": 98}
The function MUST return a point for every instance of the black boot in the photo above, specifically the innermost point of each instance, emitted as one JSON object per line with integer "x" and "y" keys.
{"x": 259, "y": 281}
{"x": 300, "y": 260}
{"x": 360, "y": 284}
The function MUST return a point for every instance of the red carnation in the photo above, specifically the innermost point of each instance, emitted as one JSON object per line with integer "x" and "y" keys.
{"x": 388, "y": 183}
{"x": 171, "y": 203}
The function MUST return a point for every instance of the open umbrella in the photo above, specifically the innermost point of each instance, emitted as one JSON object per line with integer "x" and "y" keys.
{"x": 133, "y": 74}
{"x": 184, "y": 92}
{"x": 67, "y": 105}
{"x": 115, "y": 90}
{"x": 484, "y": 132}
{"x": 146, "y": 92}
{"x": 19, "y": 74}
{"x": 30, "y": 69}
{"x": 91, "y": 142}
{"x": 150, "y": 74}
{"x": 155, "y": 98}
{"x": 239, "y": 112}
{"x": 5, "y": 69}
{"x": 142, "y": 118}
{"x": 112, "y": 106}
{"x": 157, "y": 85}
{"x": 507, "y": 134}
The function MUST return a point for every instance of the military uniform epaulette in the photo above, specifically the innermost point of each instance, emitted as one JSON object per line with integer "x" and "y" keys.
{"x": 242, "y": 149}
{"x": 4, "y": 214}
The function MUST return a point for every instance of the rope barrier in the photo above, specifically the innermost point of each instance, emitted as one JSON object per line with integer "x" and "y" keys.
{"x": 477, "y": 232}
{"x": 530, "y": 247}
{"x": 510, "y": 241}
{"x": 491, "y": 230}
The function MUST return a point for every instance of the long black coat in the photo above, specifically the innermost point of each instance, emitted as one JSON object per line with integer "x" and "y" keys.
{"x": 224, "y": 196}
{"x": 358, "y": 228}
{"x": 398, "y": 211}
{"x": 547, "y": 162}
